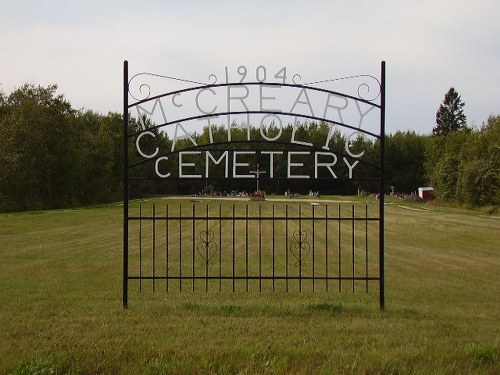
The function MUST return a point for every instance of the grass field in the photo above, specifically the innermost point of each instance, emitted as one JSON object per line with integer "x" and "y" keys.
{"x": 61, "y": 310}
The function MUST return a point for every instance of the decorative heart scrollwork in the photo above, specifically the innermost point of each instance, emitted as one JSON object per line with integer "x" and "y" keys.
{"x": 206, "y": 247}
{"x": 300, "y": 249}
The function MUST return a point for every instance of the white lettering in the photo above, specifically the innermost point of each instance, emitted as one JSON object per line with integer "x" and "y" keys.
{"x": 281, "y": 74}
{"x": 245, "y": 125}
{"x": 185, "y": 136}
{"x": 209, "y": 126}
{"x": 294, "y": 130}
{"x": 361, "y": 113}
{"x": 296, "y": 168}
{"x": 329, "y": 165}
{"x": 218, "y": 161}
{"x": 262, "y": 98}
{"x": 183, "y": 164}
{"x": 236, "y": 164}
{"x": 271, "y": 160}
{"x": 339, "y": 109}
{"x": 351, "y": 167}
{"x": 261, "y": 73}
{"x": 290, "y": 164}
{"x": 141, "y": 112}
{"x": 197, "y": 101}
{"x": 174, "y": 102}
{"x": 331, "y": 132}
{"x": 348, "y": 145}
{"x": 157, "y": 168}
{"x": 139, "y": 150}
{"x": 307, "y": 102}
{"x": 242, "y": 99}
{"x": 262, "y": 127}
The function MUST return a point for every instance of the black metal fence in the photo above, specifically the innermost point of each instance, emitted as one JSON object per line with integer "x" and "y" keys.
{"x": 255, "y": 247}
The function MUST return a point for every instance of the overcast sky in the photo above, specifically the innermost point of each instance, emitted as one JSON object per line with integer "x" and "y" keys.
{"x": 429, "y": 46}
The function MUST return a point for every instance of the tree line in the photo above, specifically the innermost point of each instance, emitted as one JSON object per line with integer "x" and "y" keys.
{"x": 54, "y": 156}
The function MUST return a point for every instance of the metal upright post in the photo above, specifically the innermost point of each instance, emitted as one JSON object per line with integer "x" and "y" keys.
{"x": 125, "y": 184}
{"x": 382, "y": 187}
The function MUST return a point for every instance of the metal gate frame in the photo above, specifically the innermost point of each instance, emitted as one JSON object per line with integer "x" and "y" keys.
{"x": 301, "y": 242}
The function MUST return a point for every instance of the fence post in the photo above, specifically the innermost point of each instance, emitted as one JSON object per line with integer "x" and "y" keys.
{"x": 382, "y": 187}
{"x": 125, "y": 186}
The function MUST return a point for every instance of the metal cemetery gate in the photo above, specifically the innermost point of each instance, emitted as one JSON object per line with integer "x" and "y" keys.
{"x": 241, "y": 245}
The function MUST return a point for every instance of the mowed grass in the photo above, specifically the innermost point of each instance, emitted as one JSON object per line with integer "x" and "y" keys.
{"x": 61, "y": 307}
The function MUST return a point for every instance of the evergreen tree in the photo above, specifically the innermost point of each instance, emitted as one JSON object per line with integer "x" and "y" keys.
{"x": 450, "y": 115}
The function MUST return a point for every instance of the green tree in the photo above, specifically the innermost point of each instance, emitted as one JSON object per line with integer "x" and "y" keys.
{"x": 36, "y": 153}
{"x": 479, "y": 170}
{"x": 450, "y": 115}
{"x": 405, "y": 160}
{"x": 100, "y": 158}
{"x": 52, "y": 156}
{"x": 464, "y": 167}
{"x": 442, "y": 164}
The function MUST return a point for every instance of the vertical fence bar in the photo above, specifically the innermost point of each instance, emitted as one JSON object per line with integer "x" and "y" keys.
{"x": 260, "y": 248}
{"x": 154, "y": 247}
{"x": 286, "y": 247}
{"x": 340, "y": 250}
{"x": 220, "y": 247}
{"x": 366, "y": 246}
{"x": 326, "y": 246}
{"x": 313, "y": 249}
{"x": 207, "y": 259}
{"x": 140, "y": 248}
{"x": 382, "y": 187}
{"x": 166, "y": 248}
{"x": 233, "y": 248}
{"x": 180, "y": 247}
{"x": 125, "y": 185}
{"x": 274, "y": 275}
{"x": 300, "y": 248}
{"x": 353, "y": 247}
{"x": 246, "y": 247}
{"x": 193, "y": 225}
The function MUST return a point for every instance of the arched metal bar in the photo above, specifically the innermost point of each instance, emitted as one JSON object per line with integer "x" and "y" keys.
{"x": 239, "y": 84}
{"x": 291, "y": 114}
